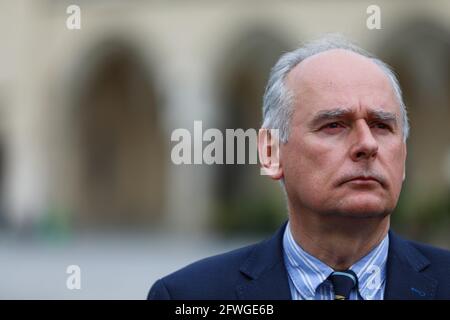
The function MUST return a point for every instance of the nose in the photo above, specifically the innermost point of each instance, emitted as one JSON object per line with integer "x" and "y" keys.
{"x": 365, "y": 147}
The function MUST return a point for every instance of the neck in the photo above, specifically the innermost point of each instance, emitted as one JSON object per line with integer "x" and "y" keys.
{"x": 337, "y": 241}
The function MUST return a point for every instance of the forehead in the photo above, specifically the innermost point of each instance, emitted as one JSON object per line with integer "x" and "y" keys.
{"x": 341, "y": 78}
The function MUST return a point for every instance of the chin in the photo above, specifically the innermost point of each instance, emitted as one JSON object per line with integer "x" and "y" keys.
{"x": 365, "y": 213}
{"x": 364, "y": 208}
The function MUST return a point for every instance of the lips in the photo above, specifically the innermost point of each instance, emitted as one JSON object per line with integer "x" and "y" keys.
{"x": 363, "y": 179}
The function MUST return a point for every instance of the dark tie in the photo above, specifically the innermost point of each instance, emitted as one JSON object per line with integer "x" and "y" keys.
{"x": 343, "y": 283}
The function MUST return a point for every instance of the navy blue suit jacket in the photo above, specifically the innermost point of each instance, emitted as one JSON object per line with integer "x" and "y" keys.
{"x": 257, "y": 272}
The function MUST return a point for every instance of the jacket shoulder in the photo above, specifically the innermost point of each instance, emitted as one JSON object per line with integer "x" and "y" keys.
{"x": 213, "y": 277}
{"x": 438, "y": 267}
{"x": 437, "y": 256}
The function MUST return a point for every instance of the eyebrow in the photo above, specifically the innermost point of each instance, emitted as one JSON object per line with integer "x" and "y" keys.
{"x": 337, "y": 113}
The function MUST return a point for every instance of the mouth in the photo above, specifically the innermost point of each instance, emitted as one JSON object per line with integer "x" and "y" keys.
{"x": 363, "y": 180}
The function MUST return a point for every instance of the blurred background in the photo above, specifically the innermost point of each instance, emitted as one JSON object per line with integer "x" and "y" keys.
{"x": 86, "y": 118}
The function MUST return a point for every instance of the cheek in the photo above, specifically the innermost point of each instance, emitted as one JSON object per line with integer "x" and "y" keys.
{"x": 396, "y": 166}
{"x": 308, "y": 162}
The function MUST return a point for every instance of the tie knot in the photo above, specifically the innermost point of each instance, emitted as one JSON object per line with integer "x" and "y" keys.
{"x": 343, "y": 283}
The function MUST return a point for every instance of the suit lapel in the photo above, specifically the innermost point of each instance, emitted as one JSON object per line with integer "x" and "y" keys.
{"x": 404, "y": 278}
{"x": 266, "y": 275}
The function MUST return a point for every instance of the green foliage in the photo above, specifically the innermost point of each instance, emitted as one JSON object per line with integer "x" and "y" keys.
{"x": 253, "y": 216}
{"x": 55, "y": 225}
{"x": 423, "y": 220}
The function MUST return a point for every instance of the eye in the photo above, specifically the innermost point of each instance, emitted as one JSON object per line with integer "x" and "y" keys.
{"x": 383, "y": 126}
{"x": 332, "y": 127}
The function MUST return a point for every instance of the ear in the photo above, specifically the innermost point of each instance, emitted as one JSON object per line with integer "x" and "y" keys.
{"x": 404, "y": 166}
{"x": 269, "y": 153}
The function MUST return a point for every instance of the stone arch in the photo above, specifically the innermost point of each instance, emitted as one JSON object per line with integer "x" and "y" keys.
{"x": 243, "y": 77}
{"x": 120, "y": 151}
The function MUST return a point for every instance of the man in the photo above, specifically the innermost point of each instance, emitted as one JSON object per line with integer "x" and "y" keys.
{"x": 343, "y": 129}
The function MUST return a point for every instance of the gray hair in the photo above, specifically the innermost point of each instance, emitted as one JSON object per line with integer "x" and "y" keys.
{"x": 278, "y": 99}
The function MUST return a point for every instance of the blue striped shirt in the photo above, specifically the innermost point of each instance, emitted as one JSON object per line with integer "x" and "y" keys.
{"x": 308, "y": 275}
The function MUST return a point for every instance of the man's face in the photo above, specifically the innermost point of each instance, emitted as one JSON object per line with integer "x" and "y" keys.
{"x": 345, "y": 154}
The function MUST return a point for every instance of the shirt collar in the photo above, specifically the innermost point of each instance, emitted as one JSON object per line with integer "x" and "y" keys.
{"x": 371, "y": 270}
{"x": 308, "y": 273}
